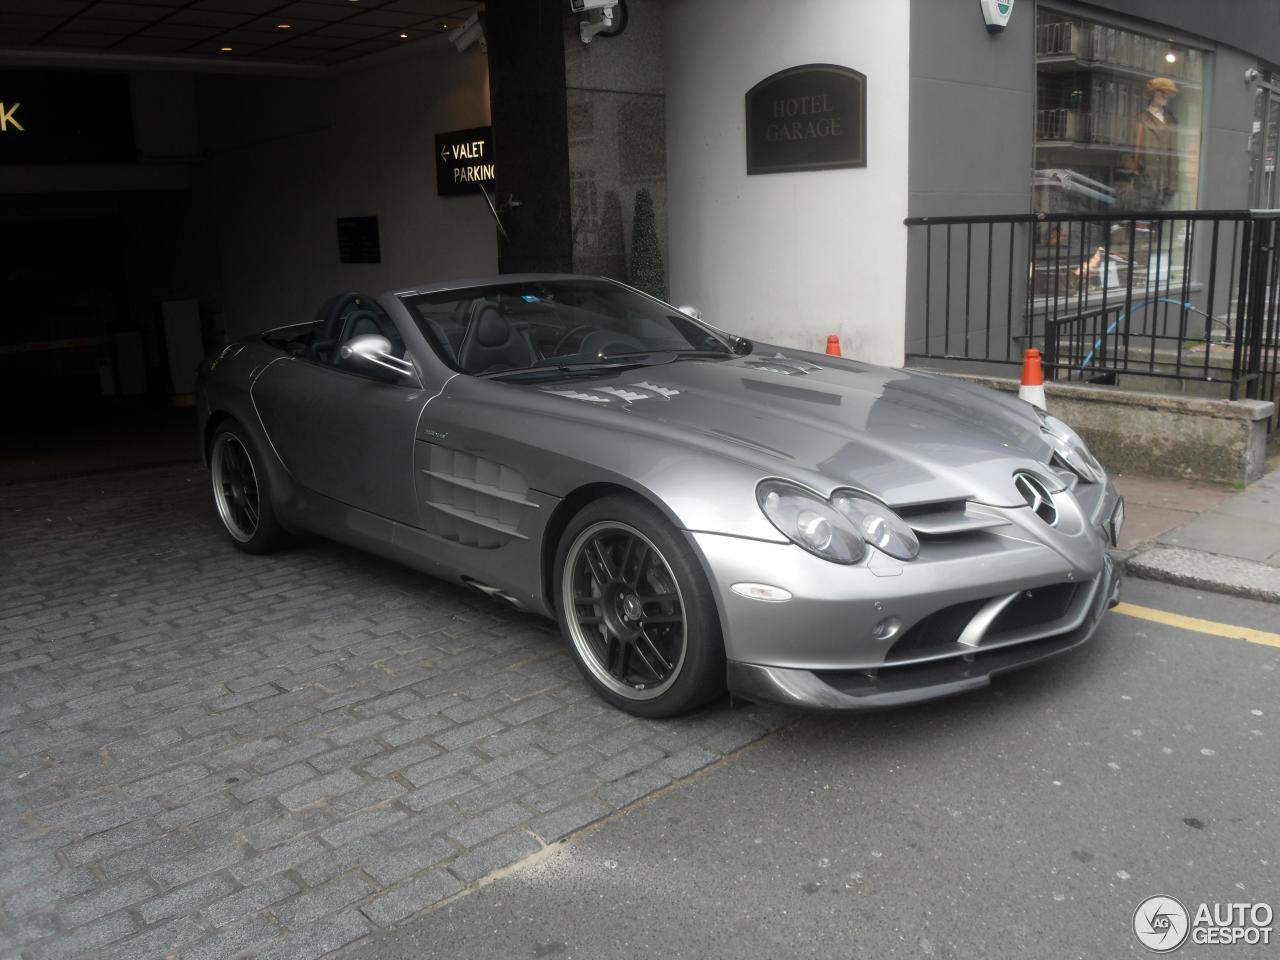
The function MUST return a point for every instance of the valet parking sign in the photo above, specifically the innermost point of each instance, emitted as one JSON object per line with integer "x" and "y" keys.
{"x": 464, "y": 161}
{"x": 1162, "y": 924}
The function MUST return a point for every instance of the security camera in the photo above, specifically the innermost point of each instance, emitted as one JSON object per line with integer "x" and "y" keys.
{"x": 470, "y": 33}
{"x": 600, "y": 17}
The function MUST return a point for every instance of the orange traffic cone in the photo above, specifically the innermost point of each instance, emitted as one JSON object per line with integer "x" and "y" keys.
{"x": 1032, "y": 389}
{"x": 833, "y": 345}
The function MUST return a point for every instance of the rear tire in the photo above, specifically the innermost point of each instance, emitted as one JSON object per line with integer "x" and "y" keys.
{"x": 636, "y": 610}
{"x": 242, "y": 491}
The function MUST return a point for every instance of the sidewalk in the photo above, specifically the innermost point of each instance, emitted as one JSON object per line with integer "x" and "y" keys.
{"x": 1205, "y": 536}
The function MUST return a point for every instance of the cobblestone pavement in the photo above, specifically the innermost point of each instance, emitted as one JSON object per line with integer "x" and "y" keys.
{"x": 207, "y": 754}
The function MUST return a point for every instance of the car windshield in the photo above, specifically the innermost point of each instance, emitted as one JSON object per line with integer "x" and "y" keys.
{"x": 557, "y": 328}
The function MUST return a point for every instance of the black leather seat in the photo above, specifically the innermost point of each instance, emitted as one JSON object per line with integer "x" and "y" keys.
{"x": 492, "y": 344}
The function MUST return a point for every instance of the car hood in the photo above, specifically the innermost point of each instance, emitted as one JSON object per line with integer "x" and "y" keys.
{"x": 904, "y": 436}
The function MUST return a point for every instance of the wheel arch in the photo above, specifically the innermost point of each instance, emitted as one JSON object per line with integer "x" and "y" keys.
{"x": 216, "y": 419}
{"x": 280, "y": 480}
{"x": 568, "y": 508}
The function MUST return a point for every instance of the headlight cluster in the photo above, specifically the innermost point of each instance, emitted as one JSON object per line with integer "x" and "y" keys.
{"x": 838, "y": 529}
{"x": 1071, "y": 450}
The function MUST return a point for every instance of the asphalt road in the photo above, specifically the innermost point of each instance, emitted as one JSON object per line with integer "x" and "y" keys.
{"x": 1025, "y": 821}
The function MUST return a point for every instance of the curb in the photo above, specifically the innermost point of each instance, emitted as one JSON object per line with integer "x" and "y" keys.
{"x": 1206, "y": 571}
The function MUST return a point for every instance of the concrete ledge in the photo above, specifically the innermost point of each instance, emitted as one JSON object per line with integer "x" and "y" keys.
{"x": 1160, "y": 435}
{"x": 1207, "y": 571}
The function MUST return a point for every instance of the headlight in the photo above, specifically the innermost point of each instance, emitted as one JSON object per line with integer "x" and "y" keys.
{"x": 810, "y": 522}
{"x": 1071, "y": 450}
{"x": 877, "y": 524}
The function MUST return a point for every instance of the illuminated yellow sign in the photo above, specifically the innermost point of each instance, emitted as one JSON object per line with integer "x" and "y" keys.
{"x": 7, "y": 119}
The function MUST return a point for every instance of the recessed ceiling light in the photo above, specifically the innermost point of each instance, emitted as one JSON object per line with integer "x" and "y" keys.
{"x": 404, "y": 36}
{"x": 1171, "y": 57}
{"x": 226, "y": 49}
{"x": 444, "y": 26}
{"x": 284, "y": 26}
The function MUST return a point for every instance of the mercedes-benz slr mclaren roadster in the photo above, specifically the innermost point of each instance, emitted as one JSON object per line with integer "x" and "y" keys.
{"x": 698, "y": 511}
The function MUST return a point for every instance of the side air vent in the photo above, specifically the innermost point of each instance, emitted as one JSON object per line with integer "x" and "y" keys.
{"x": 470, "y": 500}
{"x": 1037, "y": 496}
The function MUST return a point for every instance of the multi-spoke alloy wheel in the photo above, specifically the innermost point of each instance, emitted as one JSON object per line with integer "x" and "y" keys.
{"x": 240, "y": 491}
{"x": 636, "y": 609}
{"x": 235, "y": 487}
{"x": 626, "y": 615}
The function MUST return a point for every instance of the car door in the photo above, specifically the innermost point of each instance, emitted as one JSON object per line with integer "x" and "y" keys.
{"x": 345, "y": 429}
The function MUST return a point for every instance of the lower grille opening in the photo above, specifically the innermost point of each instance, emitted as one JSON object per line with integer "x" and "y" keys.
{"x": 1034, "y": 607}
{"x": 941, "y": 629}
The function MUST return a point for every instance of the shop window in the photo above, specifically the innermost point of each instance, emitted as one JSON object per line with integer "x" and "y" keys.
{"x": 1118, "y": 118}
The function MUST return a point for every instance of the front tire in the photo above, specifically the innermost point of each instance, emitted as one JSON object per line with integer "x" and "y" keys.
{"x": 636, "y": 610}
{"x": 242, "y": 491}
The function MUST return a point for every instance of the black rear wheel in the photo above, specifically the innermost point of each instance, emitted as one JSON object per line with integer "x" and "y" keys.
{"x": 241, "y": 491}
{"x": 636, "y": 611}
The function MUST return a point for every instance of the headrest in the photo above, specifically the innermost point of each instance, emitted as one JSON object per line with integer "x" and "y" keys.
{"x": 492, "y": 329}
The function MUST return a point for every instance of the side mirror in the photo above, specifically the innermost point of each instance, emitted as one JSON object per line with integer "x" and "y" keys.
{"x": 376, "y": 349}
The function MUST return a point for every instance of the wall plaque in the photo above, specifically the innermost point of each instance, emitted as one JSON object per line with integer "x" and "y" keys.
{"x": 464, "y": 161}
{"x": 358, "y": 240}
{"x": 811, "y": 117}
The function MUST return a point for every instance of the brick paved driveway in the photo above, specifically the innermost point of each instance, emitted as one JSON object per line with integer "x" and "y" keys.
{"x": 208, "y": 754}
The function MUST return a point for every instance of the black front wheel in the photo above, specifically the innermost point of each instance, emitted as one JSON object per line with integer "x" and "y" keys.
{"x": 241, "y": 491}
{"x": 636, "y": 610}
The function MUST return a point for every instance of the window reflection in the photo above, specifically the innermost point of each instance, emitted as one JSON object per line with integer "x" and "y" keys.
{"x": 1118, "y": 118}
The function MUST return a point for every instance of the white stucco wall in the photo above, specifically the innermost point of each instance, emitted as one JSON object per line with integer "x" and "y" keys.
{"x": 787, "y": 257}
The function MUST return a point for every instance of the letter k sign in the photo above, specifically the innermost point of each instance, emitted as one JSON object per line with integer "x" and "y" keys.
{"x": 7, "y": 118}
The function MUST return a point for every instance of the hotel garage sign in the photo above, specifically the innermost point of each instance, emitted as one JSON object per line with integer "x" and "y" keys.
{"x": 812, "y": 117}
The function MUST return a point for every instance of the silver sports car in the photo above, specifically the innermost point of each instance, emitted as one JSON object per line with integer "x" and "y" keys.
{"x": 697, "y": 511}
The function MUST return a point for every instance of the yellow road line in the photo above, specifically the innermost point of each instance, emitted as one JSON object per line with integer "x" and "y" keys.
{"x": 1198, "y": 625}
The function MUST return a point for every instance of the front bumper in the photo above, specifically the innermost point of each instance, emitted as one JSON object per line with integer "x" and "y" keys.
{"x": 896, "y": 686}
{"x": 967, "y": 609}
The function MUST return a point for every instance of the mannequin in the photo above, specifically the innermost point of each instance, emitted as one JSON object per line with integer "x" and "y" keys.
{"x": 1155, "y": 153}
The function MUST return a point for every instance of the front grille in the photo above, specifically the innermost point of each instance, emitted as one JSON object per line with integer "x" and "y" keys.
{"x": 940, "y": 629}
{"x": 1034, "y": 607}
{"x": 1032, "y": 610}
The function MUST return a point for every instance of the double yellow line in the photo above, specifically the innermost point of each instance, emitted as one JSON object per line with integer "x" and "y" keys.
{"x": 1198, "y": 625}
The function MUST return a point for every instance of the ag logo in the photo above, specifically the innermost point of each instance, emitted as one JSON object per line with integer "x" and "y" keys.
{"x": 996, "y": 13}
{"x": 1161, "y": 924}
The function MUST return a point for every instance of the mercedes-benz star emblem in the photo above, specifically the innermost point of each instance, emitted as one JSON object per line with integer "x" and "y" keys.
{"x": 1037, "y": 495}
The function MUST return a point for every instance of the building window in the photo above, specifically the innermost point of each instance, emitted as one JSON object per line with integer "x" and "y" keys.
{"x": 1118, "y": 118}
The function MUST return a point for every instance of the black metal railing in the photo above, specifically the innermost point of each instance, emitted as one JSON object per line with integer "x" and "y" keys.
{"x": 1139, "y": 298}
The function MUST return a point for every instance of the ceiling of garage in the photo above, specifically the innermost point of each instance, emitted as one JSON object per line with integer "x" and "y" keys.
{"x": 314, "y": 32}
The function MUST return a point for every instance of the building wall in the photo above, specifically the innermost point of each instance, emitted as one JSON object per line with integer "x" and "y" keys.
{"x": 287, "y": 157}
{"x": 617, "y": 138}
{"x": 972, "y": 108}
{"x": 1225, "y": 147}
{"x": 792, "y": 257}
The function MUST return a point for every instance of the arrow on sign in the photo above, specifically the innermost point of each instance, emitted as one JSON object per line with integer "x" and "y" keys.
{"x": 444, "y": 154}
